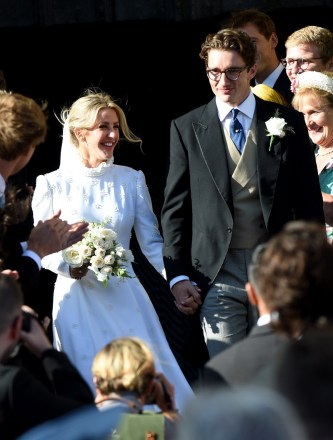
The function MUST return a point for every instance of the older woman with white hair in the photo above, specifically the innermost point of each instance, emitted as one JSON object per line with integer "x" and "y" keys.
{"x": 314, "y": 98}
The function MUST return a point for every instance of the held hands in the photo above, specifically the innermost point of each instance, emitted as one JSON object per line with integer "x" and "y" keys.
{"x": 187, "y": 297}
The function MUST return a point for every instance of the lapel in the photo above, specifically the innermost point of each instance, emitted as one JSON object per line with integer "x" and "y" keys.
{"x": 211, "y": 142}
{"x": 268, "y": 161}
{"x": 282, "y": 85}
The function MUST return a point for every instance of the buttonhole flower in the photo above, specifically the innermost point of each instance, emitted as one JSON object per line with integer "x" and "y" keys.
{"x": 277, "y": 126}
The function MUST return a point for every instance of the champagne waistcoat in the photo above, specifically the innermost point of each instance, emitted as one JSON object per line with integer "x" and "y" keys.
{"x": 249, "y": 226}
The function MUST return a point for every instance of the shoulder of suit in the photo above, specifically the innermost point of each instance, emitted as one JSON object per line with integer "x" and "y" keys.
{"x": 196, "y": 112}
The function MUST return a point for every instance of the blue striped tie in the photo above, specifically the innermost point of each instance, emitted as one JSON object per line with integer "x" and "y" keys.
{"x": 237, "y": 131}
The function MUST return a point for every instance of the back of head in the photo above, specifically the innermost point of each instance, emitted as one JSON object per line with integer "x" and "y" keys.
{"x": 11, "y": 299}
{"x": 125, "y": 364}
{"x": 269, "y": 94}
{"x": 230, "y": 40}
{"x": 293, "y": 275}
{"x": 23, "y": 124}
{"x": 262, "y": 21}
{"x": 316, "y": 35}
{"x": 245, "y": 413}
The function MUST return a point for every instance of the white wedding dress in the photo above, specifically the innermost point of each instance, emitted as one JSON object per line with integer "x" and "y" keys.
{"x": 87, "y": 315}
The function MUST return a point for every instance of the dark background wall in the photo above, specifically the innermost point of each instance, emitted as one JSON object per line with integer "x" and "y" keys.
{"x": 151, "y": 65}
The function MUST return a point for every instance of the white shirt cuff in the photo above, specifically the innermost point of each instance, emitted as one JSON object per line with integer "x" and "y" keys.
{"x": 176, "y": 279}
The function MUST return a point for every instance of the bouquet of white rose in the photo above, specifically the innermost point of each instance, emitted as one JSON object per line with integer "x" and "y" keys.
{"x": 101, "y": 252}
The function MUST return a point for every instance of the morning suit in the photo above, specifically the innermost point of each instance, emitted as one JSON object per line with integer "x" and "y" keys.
{"x": 25, "y": 402}
{"x": 198, "y": 220}
{"x": 240, "y": 363}
{"x": 282, "y": 85}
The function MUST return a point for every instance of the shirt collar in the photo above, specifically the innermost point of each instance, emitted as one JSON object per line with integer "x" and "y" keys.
{"x": 247, "y": 107}
{"x": 272, "y": 78}
{"x": 264, "y": 319}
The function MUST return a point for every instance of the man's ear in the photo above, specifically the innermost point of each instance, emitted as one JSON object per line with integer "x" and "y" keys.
{"x": 274, "y": 40}
{"x": 16, "y": 327}
{"x": 251, "y": 293}
{"x": 28, "y": 149}
{"x": 253, "y": 71}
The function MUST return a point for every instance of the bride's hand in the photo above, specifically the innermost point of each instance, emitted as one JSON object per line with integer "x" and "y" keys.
{"x": 78, "y": 272}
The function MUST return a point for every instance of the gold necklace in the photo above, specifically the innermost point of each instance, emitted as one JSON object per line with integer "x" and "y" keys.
{"x": 325, "y": 151}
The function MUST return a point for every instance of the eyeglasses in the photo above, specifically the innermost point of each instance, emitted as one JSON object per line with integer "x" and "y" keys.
{"x": 301, "y": 63}
{"x": 232, "y": 74}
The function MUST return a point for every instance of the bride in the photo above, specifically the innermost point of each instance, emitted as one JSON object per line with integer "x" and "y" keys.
{"x": 87, "y": 185}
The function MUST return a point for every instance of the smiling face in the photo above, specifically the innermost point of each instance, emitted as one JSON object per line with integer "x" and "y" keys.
{"x": 228, "y": 91}
{"x": 309, "y": 52}
{"x": 318, "y": 117}
{"x": 98, "y": 143}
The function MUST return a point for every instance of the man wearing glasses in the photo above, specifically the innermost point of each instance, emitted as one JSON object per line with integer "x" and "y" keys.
{"x": 231, "y": 184}
{"x": 309, "y": 48}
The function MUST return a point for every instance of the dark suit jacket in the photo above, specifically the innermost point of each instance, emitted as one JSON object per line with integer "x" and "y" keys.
{"x": 240, "y": 363}
{"x": 282, "y": 85}
{"x": 197, "y": 215}
{"x": 17, "y": 231}
{"x": 25, "y": 402}
{"x": 28, "y": 272}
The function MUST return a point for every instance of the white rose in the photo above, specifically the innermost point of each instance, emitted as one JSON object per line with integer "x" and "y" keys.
{"x": 72, "y": 256}
{"x": 110, "y": 234}
{"x": 86, "y": 251}
{"x": 100, "y": 252}
{"x": 275, "y": 127}
{"x": 108, "y": 243}
{"x": 121, "y": 252}
{"x": 109, "y": 259}
{"x": 106, "y": 270}
{"x": 96, "y": 262}
{"x": 98, "y": 242}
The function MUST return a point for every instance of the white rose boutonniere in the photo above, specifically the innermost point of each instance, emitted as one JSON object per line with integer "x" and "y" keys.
{"x": 277, "y": 126}
{"x": 101, "y": 252}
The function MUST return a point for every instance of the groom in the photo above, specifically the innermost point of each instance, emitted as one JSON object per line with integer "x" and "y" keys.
{"x": 224, "y": 194}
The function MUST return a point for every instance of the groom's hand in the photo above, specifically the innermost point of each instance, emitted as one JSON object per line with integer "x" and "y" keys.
{"x": 187, "y": 297}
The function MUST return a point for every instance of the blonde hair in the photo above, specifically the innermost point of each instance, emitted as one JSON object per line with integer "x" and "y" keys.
{"x": 23, "y": 123}
{"x": 84, "y": 111}
{"x": 319, "y": 36}
{"x": 269, "y": 94}
{"x": 308, "y": 88}
{"x": 125, "y": 364}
